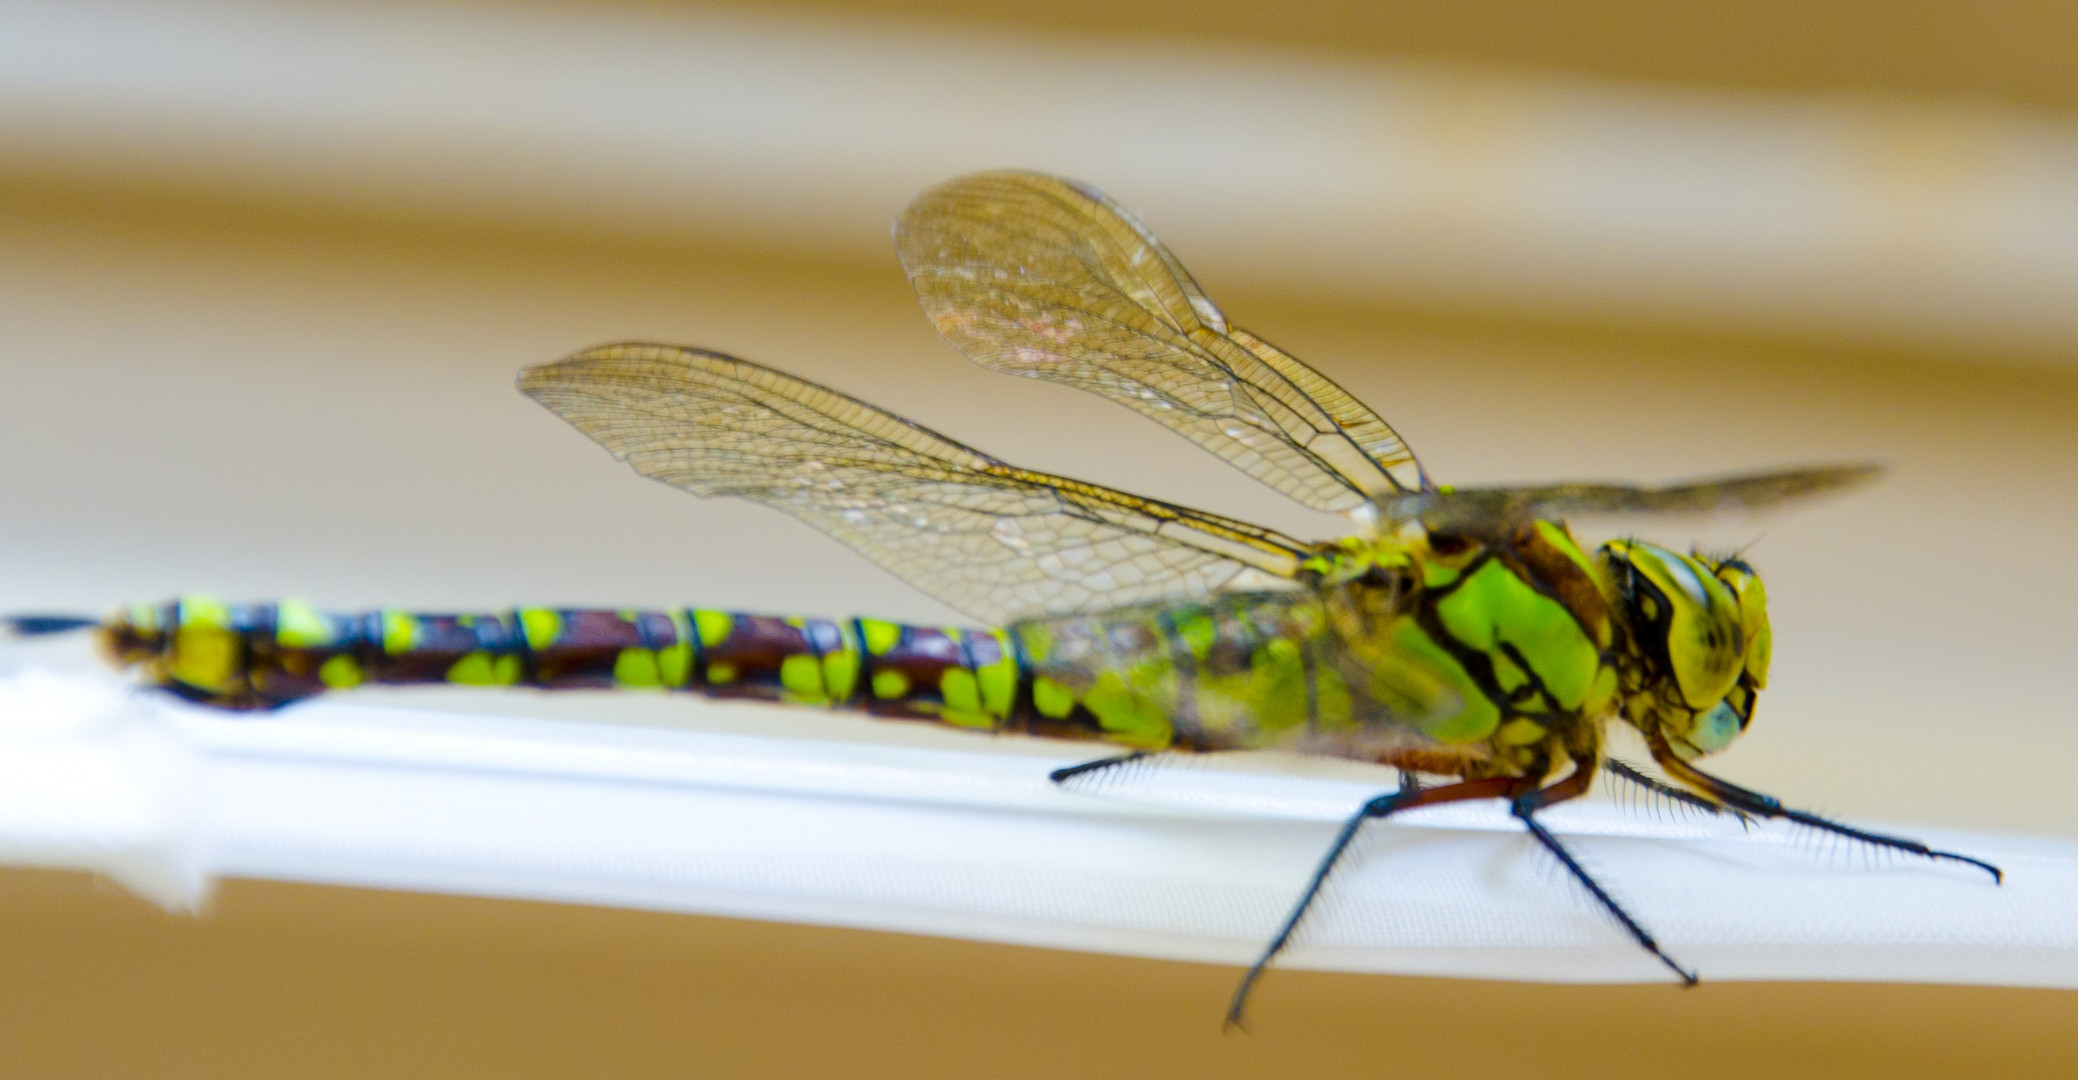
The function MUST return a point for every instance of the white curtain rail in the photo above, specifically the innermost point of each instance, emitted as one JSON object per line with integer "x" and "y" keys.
{"x": 1180, "y": 863}
{"x": 1888, "y": 221}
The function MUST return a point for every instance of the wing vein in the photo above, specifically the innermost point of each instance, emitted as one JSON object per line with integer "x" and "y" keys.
{"x": 986, "y": 537}
{"x": 1041, "y": 277}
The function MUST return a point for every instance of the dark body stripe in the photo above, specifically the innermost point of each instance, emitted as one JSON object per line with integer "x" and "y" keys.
{"x": 1478, "y": 665}
{"x": 1531, "y": 562}
{"x": 262, "y": 656}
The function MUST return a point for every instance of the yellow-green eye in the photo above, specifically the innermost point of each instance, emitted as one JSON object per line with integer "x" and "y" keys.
{"x": 1740, "y": 701}
{"x": 1753, "y": 617}
{"x": 1686, "y": 618}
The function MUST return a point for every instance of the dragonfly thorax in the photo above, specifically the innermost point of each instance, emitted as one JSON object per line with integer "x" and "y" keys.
{"x": 1697, "y": 646}
{"x": 1497, "y": 644}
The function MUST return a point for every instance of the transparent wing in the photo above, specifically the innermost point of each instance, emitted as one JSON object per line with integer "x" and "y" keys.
{"x": 1043, "y": 277}
{"x": 989, "y": 539}
{"x": 1459, "y": 509}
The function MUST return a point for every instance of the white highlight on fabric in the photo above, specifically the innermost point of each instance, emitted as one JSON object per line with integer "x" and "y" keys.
{"x": 1175, "y": 863}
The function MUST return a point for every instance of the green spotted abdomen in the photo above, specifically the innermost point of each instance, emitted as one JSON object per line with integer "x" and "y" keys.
{"x": 258, "y": 656}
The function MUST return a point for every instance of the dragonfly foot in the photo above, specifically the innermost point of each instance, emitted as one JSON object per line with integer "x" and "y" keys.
{"x": 1070, "y": 772}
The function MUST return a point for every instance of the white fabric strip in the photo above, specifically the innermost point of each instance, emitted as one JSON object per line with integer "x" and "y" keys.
{"x": 1180, "y": 863}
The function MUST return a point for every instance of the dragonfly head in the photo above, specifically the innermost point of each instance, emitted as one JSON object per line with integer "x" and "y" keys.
{"x": 1699, "y": 643}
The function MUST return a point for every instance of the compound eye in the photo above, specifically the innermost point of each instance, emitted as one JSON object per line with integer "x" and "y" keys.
{"x": 1704, "y": 640}
{"x": 1760, "y": 648}
{"x": 1741, "y": 701}
{"x": 1715, "y": 729}
{"x": 1752, "y": 599}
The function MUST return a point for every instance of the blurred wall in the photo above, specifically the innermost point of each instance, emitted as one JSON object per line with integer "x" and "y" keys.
{"x": 2011, "y": 52}
{"x": 1388, "y": 174}
{"x": 266, "y": 272}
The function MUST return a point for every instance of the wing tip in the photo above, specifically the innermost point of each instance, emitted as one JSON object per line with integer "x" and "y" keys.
{"x": 915, "y": 213}
{"x": 1814, "y": 480}
{"x": 557, "y": 373}
{"x": 587, "y": 365}
{"x": 1860, "y": 472}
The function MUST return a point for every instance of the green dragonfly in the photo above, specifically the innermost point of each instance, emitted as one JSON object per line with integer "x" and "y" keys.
{"x": 1459, "y": 635}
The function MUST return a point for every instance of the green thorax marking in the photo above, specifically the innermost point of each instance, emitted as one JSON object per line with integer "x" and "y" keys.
{"x": 1526, "y": 624}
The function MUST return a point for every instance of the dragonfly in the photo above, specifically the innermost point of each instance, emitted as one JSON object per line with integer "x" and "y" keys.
{"x": 1460, "y": 635}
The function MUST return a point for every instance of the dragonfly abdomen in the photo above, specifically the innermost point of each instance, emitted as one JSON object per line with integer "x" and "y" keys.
{"x": 1239, "y": 670}
{"x": 261, "y": 656}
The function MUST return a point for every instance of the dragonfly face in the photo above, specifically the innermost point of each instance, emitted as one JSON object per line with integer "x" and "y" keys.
{"x": 1699, "y": 644}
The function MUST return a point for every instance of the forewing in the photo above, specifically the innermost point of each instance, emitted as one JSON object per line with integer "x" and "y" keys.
{"x": 1043, "y": 277}
{"x": 1475, "y": 508}
{"x": 989, "y": 539}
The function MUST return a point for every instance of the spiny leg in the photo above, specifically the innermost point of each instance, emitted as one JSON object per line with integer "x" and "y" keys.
{"x": 1665, "y": 790}
{"x": 1525, "y": 807}
{"x": 1406, "y": 798}
{"x": 1069, "y": 772}
{"x": 1767, "y": 806}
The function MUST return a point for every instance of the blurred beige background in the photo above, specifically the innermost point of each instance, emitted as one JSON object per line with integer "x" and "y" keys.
{"x": 266, "y": 272}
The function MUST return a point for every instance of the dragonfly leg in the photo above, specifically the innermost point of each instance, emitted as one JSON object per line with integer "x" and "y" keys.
{"x": 45, "y": 625}
{"x": 1407, "y": 798}
{"x": 1767, "y": 806}
{"x": 1663, "y": 789}
{"x": 1525, "y": 808}
{"x": 1069, "y": 772}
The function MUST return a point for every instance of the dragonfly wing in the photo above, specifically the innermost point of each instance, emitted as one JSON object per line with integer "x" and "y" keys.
{"x": 987, "y": 538}
{"x": 1461, "y": 509}
{"x": 1047, "y": 278}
